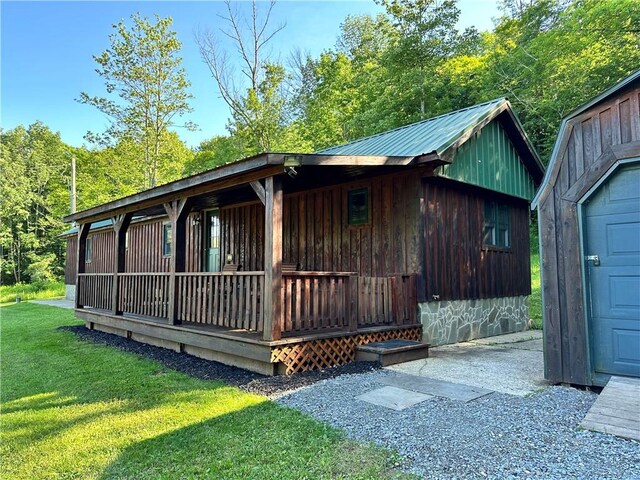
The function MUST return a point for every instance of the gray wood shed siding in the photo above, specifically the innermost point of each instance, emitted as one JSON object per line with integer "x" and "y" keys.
{"x": 592, "y": 142}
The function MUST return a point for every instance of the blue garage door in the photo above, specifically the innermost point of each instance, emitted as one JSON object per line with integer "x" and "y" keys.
{"x": 613, "y": 234}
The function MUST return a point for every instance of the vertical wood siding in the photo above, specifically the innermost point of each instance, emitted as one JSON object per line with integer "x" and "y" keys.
{"x": 585, "y": 144}
{"x": 457, "y": 266}
{"x": 71, "y": 262}
{"x": 144, "y": 252}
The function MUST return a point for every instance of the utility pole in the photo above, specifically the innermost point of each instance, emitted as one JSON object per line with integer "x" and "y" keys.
{"x": 73, "y": 184}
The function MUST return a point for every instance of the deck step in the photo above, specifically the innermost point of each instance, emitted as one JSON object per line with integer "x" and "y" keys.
{"x": 391, "y": 352}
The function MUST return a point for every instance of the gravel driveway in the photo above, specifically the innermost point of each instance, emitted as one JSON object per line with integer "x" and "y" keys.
{"x": 495, "y": 436}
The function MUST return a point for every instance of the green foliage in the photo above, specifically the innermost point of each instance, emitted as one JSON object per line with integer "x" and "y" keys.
{"x": 535, "y": 299}
{"x": 215, "y": 152}
{"x": 73, "y": 409}
{"x": 32, "y": 291}
{"x": 35, "y": 194}
{"x": 147, "y": 90}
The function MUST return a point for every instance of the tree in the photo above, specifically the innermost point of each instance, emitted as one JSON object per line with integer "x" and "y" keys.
{"x": 35, "y": 195}
{"x": 214, "y": 152}
{"x": 146, "y": 87}
{"x": 255, "y": 95}
{"x": 549, "y": 57}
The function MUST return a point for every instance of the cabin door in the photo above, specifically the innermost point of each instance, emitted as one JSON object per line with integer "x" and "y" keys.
{"x": 212, "y": 247}
{"x": 613, "y": 264}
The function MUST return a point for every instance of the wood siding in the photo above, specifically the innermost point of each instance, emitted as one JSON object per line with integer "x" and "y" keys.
{"x": 71, "y": 261}
{"x": 316, "y": 234}
{"x": 144, "y": 252}
{"x": 457, "y": 265}
{"x": 585, "y": 153}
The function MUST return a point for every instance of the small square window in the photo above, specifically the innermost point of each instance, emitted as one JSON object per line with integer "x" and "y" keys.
{"x": 497, "y": 228}
{"x": 358, "y": 205}
{"x": 166, "y": 239}
{"x": 87, "y": 250}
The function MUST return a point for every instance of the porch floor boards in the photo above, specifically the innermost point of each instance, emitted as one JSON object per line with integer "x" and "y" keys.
{"x": 249, "y": 336}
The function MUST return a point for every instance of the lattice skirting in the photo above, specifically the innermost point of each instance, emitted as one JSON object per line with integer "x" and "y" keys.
{"x": 331, "y": 352}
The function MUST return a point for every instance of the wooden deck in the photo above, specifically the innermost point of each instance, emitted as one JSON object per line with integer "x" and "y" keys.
{"x": 617, "y": 409}
{"x": 247, "y": 349}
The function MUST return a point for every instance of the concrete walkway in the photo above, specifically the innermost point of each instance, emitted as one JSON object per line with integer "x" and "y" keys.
{"x": 61, "y": 302}
{"x": 510, "y": 364}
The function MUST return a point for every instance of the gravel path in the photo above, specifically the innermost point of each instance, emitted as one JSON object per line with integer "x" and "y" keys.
{"x": 208, "y": 370}
{"x": 496, "y": 436}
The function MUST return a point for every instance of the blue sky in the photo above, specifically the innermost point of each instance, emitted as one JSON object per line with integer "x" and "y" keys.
{"x": 46, "y": 54}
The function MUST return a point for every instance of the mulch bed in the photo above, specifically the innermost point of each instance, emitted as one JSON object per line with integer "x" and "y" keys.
{"x": 210, "y": 370}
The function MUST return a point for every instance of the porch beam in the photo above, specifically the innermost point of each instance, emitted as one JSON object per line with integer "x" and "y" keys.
{"x": 81, "y": 251}
{"x": 120, "y": 227}
{"x": 177, "y": 211}
{"x": 259, "y": 189}
{"x": 273, "y": 259}
{"x": 216, "y": 179}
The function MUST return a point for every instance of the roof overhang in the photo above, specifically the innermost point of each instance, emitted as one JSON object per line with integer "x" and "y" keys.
{"x": 241, "y": 172}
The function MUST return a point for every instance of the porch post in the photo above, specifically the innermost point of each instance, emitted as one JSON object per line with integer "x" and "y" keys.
{"x": 81, "y": 250}
{"x": 177, "y": 211}
{"x": 120, "y": 227}
{"x": 273, "y": 259}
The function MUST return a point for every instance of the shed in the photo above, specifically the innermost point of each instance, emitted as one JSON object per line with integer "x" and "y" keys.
{"x": 589, "y": 221}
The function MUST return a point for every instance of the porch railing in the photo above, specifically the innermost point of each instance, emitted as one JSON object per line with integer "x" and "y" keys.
{"x": 145, "y": 294}
{"x": 317, "y": 300}
{"x": 311, "y": 301}
{"x": 94, "y": 290}
{"x": 387, "y": 300}
{"x": 225, "y": 299}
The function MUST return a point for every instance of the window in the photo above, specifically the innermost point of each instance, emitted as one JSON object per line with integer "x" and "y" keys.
{"x": 497, "y": 230}
{"x": 358, "y": 206}
{"x": 87, "y": 251}
{"x": 166, "y": 239}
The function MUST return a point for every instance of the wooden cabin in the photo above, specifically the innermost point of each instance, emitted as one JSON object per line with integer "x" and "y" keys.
{"x": 589, "y": 220}
{"x": 287, "y": 262}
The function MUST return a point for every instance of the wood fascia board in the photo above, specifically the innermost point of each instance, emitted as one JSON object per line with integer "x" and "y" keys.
{"x": 223, "y": 173}
{"x": 131, "y": 204}
{"x": 601, "y": 166}
{"x": 553, "y": 168}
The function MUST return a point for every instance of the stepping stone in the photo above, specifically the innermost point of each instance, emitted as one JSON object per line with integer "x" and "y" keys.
{"x": 439, "y": 388}
{"x": 393, "y": 397}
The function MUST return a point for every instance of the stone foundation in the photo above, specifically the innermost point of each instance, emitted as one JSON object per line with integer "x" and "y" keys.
{"x": 70, "y": 292}
{"x": 462, "y": 320}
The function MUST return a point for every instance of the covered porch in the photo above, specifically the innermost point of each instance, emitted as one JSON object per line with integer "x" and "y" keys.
{"x": 280, "y": 318}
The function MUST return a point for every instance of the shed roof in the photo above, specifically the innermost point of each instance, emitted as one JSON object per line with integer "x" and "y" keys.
{"x": 433, "y": 135}
{"x": 634, "y": 77}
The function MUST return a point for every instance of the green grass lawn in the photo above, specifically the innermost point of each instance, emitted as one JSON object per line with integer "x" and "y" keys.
{"x": 535, "y": 300}
{"x": 31, "y": 291}
{"x": 72, "y": 409}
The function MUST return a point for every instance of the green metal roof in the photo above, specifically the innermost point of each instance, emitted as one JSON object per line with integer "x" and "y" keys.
{"x": 434, "y": 135}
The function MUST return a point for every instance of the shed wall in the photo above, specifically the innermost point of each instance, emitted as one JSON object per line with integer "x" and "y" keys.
{"x": 583, "y": 156}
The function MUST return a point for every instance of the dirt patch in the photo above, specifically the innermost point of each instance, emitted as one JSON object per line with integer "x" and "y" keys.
{"x": 210, "y": 370}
